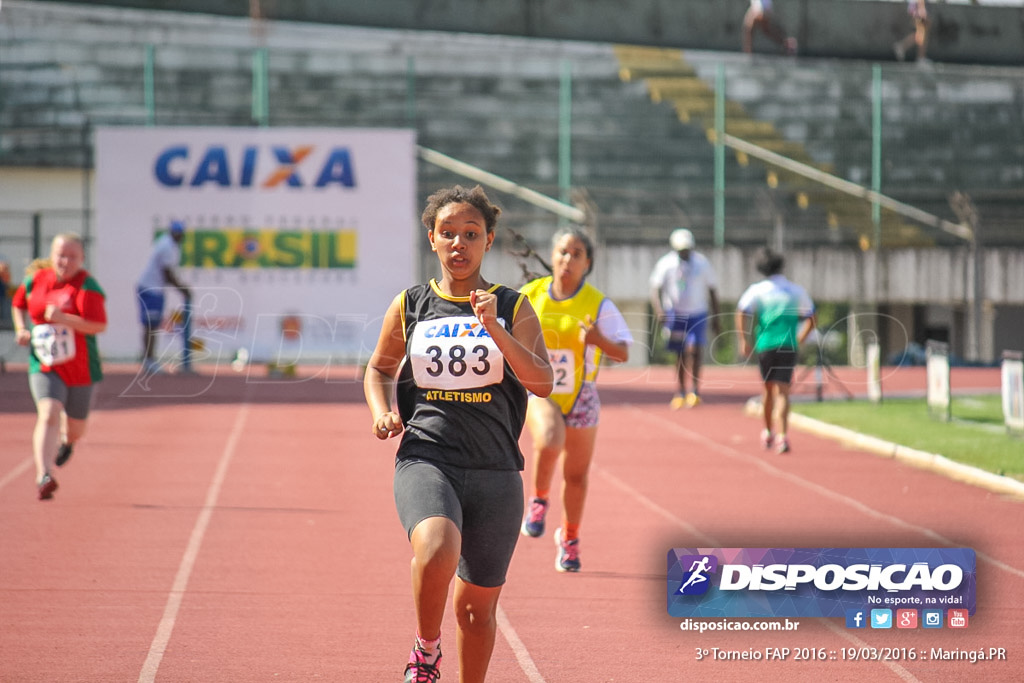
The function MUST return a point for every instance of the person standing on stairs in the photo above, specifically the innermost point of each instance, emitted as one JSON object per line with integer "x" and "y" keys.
{"x": 760, "y": 16}
{"x": 918, "y": 11}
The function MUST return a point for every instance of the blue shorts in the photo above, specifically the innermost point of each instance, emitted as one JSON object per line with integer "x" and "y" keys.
{"x": 685, "y": 330}
{"x": 151, "y": 306}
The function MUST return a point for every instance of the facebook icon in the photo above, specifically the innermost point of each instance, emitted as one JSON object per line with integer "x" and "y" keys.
{"x": 856, "y": 618}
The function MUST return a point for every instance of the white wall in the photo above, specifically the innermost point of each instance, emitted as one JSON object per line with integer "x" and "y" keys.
{"x": 931, "y": 276}
{"x": 37, "y": 189}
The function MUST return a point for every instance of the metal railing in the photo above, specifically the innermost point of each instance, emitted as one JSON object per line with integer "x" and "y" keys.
{"x": 568, "y": 128}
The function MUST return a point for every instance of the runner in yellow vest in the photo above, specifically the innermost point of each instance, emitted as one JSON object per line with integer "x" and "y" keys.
{"x": 566, "y": 349}
{"x": 580, "y": 325}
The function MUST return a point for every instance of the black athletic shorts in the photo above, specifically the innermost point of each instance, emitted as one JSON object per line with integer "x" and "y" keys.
{"x": 777, "y": 365}
{"x": 485, "y": 505}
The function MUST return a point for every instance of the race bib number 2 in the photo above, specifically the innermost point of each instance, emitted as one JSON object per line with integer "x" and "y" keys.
{"x": 454, "y": 353}
{"x": 563, "y": 365}
{"x": 53, "y": 344}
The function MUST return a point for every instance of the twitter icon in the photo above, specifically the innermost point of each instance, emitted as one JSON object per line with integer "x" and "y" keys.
{"x": 881, "y": 618}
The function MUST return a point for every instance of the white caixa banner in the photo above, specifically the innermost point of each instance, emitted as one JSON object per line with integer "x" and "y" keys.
{"x": 296, "y": 240}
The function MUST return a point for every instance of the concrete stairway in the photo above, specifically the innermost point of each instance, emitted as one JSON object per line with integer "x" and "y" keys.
{"x": 668, "y": 77}
{"x": 494, "y": 102}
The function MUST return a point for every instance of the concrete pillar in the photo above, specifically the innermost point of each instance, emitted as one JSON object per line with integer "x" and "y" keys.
{"x": 900, "y": 329}
{"x": 988, "y": 350}
{"x": 861, "y": 330}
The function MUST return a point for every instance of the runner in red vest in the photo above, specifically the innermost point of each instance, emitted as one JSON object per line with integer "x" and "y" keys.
{"x": 58, "y": 311}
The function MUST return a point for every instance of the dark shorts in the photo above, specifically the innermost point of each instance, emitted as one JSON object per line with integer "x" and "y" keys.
{"x": 151, "y": 306}
{"x": 777, "y": 365}
{"x": 485, "y": 505}
{"x": 685, "y": 330}
{"x": 76, "y": 400}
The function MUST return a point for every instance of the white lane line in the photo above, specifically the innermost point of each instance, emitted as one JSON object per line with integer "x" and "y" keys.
{"x": 188, "y": 561}
{"x": 520, "y": 651}
{"x": 823, "y": 491}
{"x": 708, "y": 541}
{"x": 18, "y": 470}
{"x": 713, "y": 543}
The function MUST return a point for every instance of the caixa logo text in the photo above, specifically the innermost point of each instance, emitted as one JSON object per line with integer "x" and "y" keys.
{"x": 253, "y": 166}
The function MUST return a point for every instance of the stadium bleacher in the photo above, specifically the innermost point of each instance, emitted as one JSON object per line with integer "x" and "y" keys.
{"x": 641, "y": 166}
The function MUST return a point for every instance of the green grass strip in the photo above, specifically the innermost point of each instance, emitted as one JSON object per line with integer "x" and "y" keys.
{"x": 976, "y": 435}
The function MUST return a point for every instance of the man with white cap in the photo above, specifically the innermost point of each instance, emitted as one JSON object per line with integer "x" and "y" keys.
{"x": 156, "y": 276}
{"x": 683, "y": 293}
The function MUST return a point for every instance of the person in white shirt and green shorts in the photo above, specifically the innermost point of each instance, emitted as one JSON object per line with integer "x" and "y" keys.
{"x": 782, "y": 315}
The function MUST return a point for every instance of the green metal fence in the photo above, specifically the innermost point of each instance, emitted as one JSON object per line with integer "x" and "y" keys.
{"x": 638, "y": 156}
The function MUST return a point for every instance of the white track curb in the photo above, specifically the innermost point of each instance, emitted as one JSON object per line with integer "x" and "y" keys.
{"x": 929, "y": 461}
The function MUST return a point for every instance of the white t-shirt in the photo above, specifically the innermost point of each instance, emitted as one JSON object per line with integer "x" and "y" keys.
{"x": 683, "y": 285}
{"x": 612, "y": 325}
{"x": 166, "y": 254}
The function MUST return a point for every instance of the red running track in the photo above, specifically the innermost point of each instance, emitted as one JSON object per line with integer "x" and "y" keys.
{"x": 233, "y": 528}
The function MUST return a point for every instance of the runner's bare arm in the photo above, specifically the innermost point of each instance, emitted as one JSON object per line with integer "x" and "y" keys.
{"x": 76, "y": 322}
{"x": 524, "y": 349}
{"x": 379, "y": 379}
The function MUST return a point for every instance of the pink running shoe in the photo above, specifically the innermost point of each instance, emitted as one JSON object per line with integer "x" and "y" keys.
{"x": 533, "y": 523}
{"x": 418, "y": 670}
{"x": 568, "y": 559}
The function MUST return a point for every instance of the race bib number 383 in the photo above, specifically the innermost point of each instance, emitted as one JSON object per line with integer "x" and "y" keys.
{"x": 454, "y": 353}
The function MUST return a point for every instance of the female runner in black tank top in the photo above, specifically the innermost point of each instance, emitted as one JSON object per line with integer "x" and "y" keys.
{"x": 462, "y": 352}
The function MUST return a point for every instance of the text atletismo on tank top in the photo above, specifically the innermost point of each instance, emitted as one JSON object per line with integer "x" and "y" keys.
{"x": 459, "y": 401}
